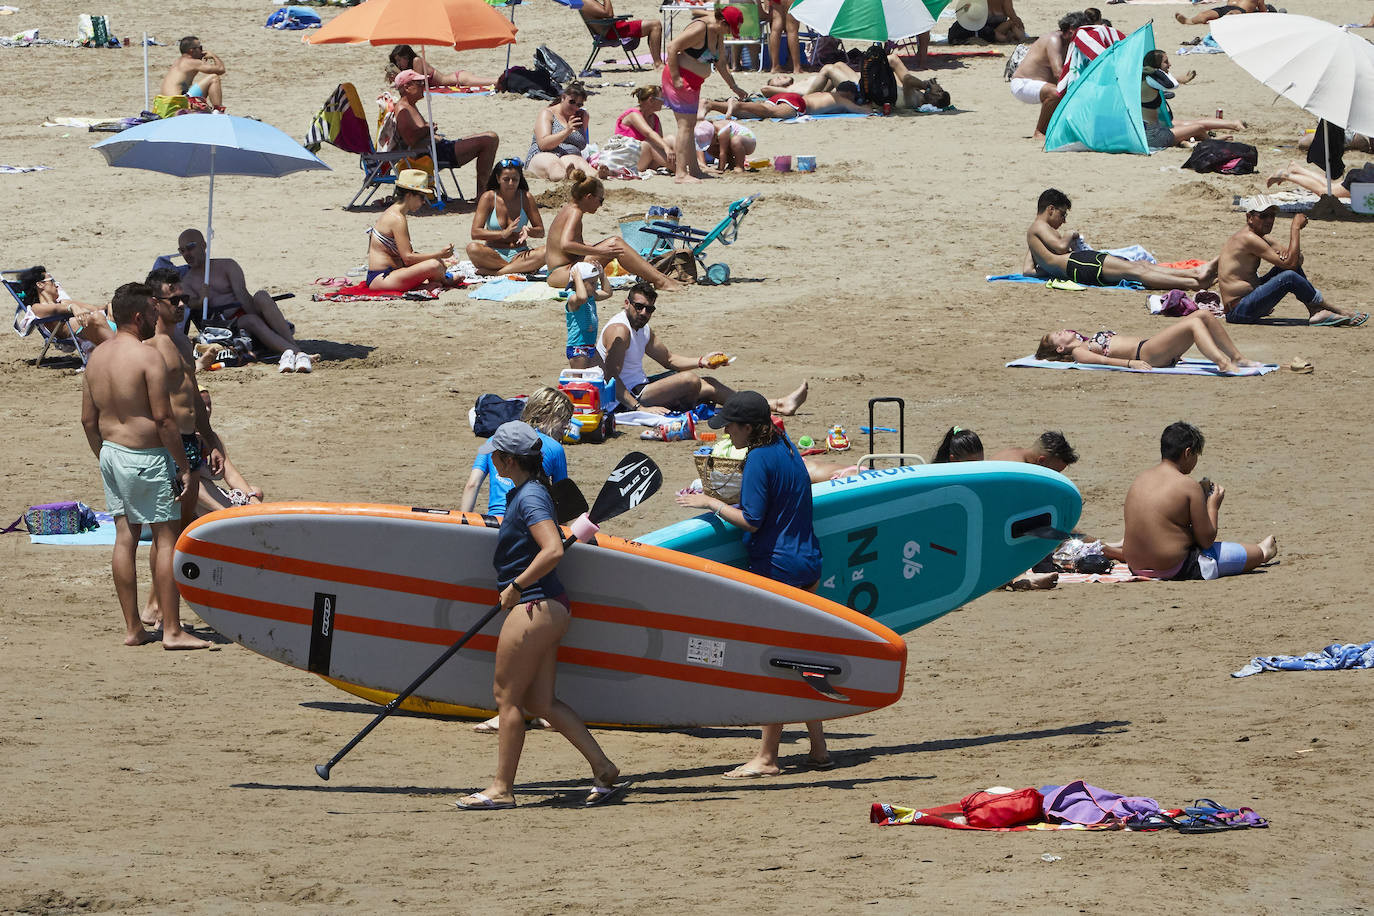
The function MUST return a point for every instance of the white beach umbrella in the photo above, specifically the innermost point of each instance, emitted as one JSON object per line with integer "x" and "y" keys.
{"x": 865, "y": 20}
{"x": 1320, "y": 67}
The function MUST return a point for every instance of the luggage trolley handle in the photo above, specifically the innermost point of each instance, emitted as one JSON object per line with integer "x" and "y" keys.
{"x": 901, "y": 423}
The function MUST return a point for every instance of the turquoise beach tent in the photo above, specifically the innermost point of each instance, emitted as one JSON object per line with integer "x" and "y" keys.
{"x": 1100, "y": 112}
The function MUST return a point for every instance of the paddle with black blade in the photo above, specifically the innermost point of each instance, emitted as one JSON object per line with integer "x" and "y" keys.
{"x": 634, "y": 480}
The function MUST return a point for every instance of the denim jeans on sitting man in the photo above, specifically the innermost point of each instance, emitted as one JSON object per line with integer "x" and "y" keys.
{"x": 1273, "y": 286}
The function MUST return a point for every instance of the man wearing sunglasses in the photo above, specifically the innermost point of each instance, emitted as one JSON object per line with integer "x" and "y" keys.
{"x": 626, "y": 340}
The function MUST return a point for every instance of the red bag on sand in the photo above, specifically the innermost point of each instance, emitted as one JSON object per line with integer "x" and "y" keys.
{"x": 1009, "y": 809}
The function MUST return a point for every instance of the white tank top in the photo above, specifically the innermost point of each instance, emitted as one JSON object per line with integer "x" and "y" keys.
{"x": 632, "y": 371}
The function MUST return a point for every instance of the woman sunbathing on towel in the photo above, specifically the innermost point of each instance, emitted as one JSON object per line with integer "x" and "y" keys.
{"x": 392, "y": 265}
{"x": 506, "y": 218}
{"x": 1108, "y": 348}
{"x": 40, "y": 293}
{"x": 403, "y": 57}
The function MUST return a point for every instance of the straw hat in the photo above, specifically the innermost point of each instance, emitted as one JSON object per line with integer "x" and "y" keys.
{"x": 971, "y": 14}
{"x": 414, "y": 180}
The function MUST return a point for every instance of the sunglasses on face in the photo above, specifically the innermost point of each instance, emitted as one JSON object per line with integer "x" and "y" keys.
{"x": 180, "y": 299}
{"x": 643, "y": 307}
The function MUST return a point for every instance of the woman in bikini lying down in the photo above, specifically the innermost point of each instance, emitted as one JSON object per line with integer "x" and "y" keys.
{"x": 1201, "y": 329}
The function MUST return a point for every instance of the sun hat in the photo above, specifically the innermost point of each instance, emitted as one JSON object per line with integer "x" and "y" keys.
{"x": 1261, "y": 202}
{"x": 408, "y": 76}
{"x": 515, "y": 437}
{"x": 747, "y": 407}
{"x": 971, "y": 14}
{"x": 734, "y": 18}
{"x": 703, "y": 133}
{"x": 414, "y": 180}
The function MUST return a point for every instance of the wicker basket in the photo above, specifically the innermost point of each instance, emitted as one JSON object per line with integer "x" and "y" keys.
{"x": 720, "y": 477}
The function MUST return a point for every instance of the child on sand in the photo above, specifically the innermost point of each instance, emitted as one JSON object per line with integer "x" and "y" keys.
{"x": 587, "y": 284}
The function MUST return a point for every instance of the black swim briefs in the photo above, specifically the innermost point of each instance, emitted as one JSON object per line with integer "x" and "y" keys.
{"x": 1086, "y": 267}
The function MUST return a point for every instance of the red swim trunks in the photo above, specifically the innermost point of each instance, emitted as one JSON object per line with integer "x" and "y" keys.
{"x": 630, "y": 28}
{"x": 791, "y": 99}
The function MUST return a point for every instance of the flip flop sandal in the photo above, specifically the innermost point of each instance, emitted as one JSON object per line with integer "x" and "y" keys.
{"x": 1301, "y": 366}
{"x": 483, "y": 803}
{"x": 604, "y": 795}
{"x": 1208, "y": 823}
{"x": 1358, "y": 319}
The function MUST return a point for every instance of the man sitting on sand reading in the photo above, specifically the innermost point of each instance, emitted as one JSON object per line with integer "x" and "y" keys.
{"x": 1248, "y": 297}
{"x": 194, "y": 75}
{"x": 627, "y": 339}
{"x": 256, "y": 313}
{"x": 127, "y": 416}
{"x": 1051, "y": 254}
{"x": 1171, "y": 519}
{"x": 785, "y": 105}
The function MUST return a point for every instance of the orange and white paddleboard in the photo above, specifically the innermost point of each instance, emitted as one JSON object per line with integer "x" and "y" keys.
{"x": 368, "y": 596}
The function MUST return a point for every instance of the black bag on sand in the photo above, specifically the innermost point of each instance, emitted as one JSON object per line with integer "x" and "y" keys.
{"x": 1217, "y": 156}
{"x": 877, "y": 82}
{"x": 493, "y": 410}
{"x": 535, "y": 84}
{"x": 547, "y": 60}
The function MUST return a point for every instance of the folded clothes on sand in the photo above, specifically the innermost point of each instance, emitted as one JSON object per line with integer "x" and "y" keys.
{"x": 1182, "y": 367}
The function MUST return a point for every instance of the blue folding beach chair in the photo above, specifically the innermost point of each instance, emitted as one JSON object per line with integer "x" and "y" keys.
{"x": 670, "y": 237}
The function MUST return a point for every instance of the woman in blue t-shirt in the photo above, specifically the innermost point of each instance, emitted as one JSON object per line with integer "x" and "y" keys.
{"x": 528, "y": 550}
{"x": 775, "y": 512}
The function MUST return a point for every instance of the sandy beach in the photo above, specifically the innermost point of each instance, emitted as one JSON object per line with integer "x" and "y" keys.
{"x": 142, "y": 781}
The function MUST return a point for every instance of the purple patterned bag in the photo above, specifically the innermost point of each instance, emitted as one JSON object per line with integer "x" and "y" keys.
{"x": 57, "y": 518}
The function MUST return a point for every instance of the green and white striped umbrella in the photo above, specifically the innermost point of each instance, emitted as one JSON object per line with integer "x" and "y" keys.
{"x": 865, "y": 20}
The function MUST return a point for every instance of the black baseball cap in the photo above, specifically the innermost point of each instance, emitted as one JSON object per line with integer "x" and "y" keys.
{"x": 743, "y": 407}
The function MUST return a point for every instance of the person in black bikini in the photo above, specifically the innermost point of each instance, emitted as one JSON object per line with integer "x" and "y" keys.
{"x": 1051, "y": 254}
{"x": 1201, "y": 329}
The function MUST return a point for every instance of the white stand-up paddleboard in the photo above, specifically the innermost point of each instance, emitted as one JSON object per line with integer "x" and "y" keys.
{"x": 371, "y": 595}
{"x": 905, "y": 545}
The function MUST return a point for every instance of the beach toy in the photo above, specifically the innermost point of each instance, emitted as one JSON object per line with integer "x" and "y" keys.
{"x": 837, "y": 441}
{"x": 718, "y": 274}
{"x": 806, "y": 442}
{"x": 782, "y": 163}
{"x": 806, "y": 163}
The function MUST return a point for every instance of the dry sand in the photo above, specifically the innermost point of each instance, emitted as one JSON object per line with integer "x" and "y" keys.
{"x": 139, "y": 781}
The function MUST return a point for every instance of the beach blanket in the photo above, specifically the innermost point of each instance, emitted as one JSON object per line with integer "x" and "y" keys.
{"x": 1185, "y": 366}
{"x": 1026, "y": 278}
{"x": 1208, "y": 45}
{"x": 364, "y": 293}
{"x": 16, "y": 169}
{"x": 1120, "y": 572}
{"x": 104, "y": 536}
{"x": 1298, "y": 200}
{"x": 461, "y": 92}
{"x": 505, "y": 289}
{"x": 1335, "y": 657}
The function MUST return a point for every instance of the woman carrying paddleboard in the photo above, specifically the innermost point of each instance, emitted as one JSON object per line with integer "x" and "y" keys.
{"x": 528, "y": 551}
{"x": 775, "y": 513}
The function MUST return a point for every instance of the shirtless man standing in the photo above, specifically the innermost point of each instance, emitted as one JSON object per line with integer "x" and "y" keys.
{"x": 188, "y": 410}
{"x": 1035, "y": 79}
{"x": 784, "y": 104}
{"x": 1171, "y": 519}
{"x": 258, "y": 312}
{"x": 627, "y": 339}
{"x": 127, "y": 416}
{"x": 1050, "y": 253}
{"x": 566, "y": 247}
{"x": 1248, "y": 297}
{"x": 195, "y": 74}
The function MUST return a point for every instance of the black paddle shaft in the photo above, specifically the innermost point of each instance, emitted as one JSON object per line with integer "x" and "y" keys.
{"x": 634, "y": 480}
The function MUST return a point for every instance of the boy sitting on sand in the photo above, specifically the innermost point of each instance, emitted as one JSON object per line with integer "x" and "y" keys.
{"x": 1171, "y": 519}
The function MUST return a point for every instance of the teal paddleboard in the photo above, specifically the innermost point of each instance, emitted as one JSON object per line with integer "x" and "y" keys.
{"x": 905, "y": 545}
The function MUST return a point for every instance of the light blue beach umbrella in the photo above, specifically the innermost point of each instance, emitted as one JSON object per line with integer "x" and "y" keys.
{"x": 208, "y": 144}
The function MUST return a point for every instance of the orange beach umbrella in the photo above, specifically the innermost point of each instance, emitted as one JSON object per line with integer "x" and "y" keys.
{"x": 463, "y": 25}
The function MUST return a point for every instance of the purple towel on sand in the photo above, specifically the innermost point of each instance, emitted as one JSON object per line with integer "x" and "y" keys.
{"x": 1080, "y": 803}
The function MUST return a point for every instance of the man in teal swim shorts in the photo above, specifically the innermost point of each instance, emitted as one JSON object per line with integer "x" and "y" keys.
{"x": 126, "y": 413}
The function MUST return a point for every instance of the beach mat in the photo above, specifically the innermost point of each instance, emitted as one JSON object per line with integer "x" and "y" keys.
{"x": 505, "y": 289}
{"x": 450, "y": 92}
{"x": 104, "y": 536}
{"x": 1184, "y": 367}
{"x": 1026, "y": 278}
{"x": 361, "y": 292}
{"x": 1119, "y": 572}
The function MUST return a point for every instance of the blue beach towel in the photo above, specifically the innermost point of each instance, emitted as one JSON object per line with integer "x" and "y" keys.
{"x": 293, "y": 17}
{"x": 104, "y": 536}
{"x": 1183, "y": 367}
{"x": 1335, "y": 657}
{"x": 1027, "y": 278}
